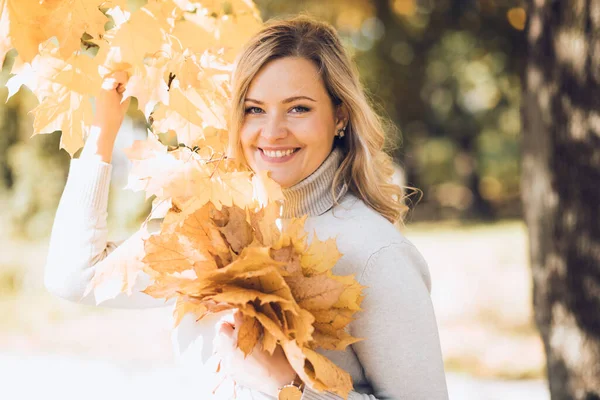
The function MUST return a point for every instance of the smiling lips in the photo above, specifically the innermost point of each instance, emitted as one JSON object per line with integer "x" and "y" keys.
{"x": 278, "y": 155}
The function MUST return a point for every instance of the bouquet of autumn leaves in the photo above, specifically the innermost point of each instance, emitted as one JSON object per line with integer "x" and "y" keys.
{"x": 234, "y": 254}
{"x": 221, "y": 245}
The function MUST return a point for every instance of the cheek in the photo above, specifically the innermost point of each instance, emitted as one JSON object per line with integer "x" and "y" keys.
{"x": 315, "y": 131}
{"x": 247, "y": 139}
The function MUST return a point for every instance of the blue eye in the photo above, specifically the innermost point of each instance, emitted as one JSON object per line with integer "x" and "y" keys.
{"x": 302, "y": 109}
{"x": 247, "y": 111}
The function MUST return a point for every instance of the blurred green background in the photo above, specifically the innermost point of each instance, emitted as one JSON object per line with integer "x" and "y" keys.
{"x": 447, "y": 73}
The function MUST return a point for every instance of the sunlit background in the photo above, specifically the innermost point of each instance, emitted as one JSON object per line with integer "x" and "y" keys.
{"x": 447, "y": 73}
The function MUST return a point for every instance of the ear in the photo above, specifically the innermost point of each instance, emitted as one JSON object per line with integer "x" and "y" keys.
{"x": 342, "y": 116}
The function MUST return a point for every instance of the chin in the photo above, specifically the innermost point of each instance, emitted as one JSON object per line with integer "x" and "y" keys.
{"x": 283, "y": 180}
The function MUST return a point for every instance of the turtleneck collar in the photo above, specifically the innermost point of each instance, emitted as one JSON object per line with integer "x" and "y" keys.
{"x": 313, "y": 195}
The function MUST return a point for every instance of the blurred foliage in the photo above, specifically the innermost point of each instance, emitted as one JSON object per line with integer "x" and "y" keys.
{"x": 446, "y": 72}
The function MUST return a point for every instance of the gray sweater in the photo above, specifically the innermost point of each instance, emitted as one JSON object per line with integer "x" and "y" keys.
{"x": 401, "y": 356}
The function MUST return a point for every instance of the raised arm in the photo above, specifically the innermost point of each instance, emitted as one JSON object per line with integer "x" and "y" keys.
{"x": 79, "y": 239}
{"x": 401, "y": 355}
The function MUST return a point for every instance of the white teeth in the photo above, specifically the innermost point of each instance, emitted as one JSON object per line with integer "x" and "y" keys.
{"x": 278, "y": 153}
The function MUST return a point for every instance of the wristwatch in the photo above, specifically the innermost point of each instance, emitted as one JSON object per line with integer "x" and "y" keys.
{"x": 291, "y": 391}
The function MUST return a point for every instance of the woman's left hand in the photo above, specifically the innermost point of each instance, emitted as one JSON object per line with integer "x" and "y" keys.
{"x": 259, "y": 370}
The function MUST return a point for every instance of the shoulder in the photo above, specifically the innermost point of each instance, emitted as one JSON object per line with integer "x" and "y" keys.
{"x": 371, "y": 245}
{"x": 354, "y": 221}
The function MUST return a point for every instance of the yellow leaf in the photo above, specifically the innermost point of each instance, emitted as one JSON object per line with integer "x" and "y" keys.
{"x": 123, "y": 264}
{"x": 239, "y": 296}
{"x": 266, "y": 190}
{"x": 80, "y": 75}
{"x": 315, "y": 292}
{"x": 38, "y": 74}
{"x": 148, "y": 86}
{"x": 143, "y": 149}
{"x": 237, "y": 231}
{"x": 332, "y": 320}
{"x": 321, "y": 256}
{"x": 203, "y": 234}
{"x": 68, "y": 112}
{"x": 185, "y": 305}
{"x": 248, "y": 335}
{"x": 173, "y": 253}
{"x": 290, "y": 258}
{"x": 352, "y": 296}
{"x": 33, "y": 22}
{"x": 269, "y": 342}
{"x": 229, "y": 27}
{"x": 316, "y": 370}
{"x": 338, "y": 341}
{"x": 142, "y": 35}
{"x": 264, "y": 223}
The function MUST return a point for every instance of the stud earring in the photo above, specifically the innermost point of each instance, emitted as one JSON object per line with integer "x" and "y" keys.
{"x": 341, "y": 133}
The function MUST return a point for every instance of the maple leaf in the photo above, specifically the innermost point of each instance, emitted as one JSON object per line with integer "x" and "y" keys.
{"x": 335, "y": 341}
{"x": 143, "y": 34}
{"x": 266, "y": 190}
{"x": 320, "y": 256}
{"x": 315, "y": 292}
{"x": 170, "y": 253}
{"x": 237, "y": 230}
{"x": 148, "y": 87}
{"x": 316, "y": 370}
{"x": 248, "y": 335}
{"x": 228, "y": 26}
{"x": 68, "y": 112}
{"x": 119, "y": 271}
{"x": 80, "y": 75}
{"x": 32, "y": 23}
{"x": 38, "y": 74}
{"x": 144, "y": 149}
{"x": 264, "y": 223}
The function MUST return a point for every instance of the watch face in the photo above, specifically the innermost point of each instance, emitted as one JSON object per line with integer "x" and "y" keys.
{"x": 290, "y": 393}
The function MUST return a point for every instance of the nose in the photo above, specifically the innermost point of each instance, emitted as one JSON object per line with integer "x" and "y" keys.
{"x": 274, "y": 128}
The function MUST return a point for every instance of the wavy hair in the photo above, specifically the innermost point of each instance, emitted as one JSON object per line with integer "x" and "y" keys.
{"x": 366, "y": 167}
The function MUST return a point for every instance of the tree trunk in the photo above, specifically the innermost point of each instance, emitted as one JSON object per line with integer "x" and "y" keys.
{"x": 561, "y": 188}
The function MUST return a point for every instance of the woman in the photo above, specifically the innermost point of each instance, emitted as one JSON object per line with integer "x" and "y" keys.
{"x": 299, "y": 111}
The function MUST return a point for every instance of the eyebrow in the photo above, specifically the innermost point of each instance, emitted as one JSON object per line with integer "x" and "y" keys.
{"x": 288, "y": 100}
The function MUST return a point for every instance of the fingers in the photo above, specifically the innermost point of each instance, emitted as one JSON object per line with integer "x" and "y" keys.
{"x": 227, "y": 329}
{"x": 116, "y": 80}
{"x": 238, "y": 319}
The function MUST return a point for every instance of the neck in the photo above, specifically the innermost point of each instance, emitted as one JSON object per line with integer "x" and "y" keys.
{"x": 313, "y": 196}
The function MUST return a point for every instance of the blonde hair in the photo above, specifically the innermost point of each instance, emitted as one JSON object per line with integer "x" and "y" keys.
{"x": 366, "y": 168}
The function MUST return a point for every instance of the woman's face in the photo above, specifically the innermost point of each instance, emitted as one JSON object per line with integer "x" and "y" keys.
{"x": 289, "y": 122}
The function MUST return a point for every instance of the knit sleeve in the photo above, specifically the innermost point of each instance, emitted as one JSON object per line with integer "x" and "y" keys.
{"x": 79, "y": 239}
{"x": 401, "y": 354}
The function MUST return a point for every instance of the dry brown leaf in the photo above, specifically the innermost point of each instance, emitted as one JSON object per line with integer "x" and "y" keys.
{"x": 352, "y": 296}
{"x": 315, "y": 292}
{"x": 269, "y": 342}
{"x": 264, "y": 224}
{"x": 185, "y": 305}
{"x": 123, "y": 264}
{"x": 316, "y": 370}
{"x": 248, "y": 335}
{"x": 290, "y": 258}
{"x": 237, "y": 230}
{"x": 332, "y": 320}
{"x": 320, "y": 256}
{"x": 338, "y": 341}
{"x": 170, "y": 253}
